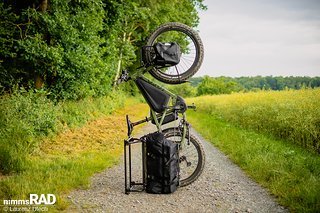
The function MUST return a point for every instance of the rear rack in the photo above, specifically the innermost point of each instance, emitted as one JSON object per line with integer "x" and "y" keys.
{"x": 130, "y": 185}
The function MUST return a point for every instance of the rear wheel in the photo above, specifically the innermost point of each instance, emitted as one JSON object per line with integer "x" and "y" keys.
{"x": 191, "y": 52}
{"x": 192, "y": 157}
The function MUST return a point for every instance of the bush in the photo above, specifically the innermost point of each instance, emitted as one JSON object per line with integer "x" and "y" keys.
{"x": 24, "y": 116}
{"x": 184, "y": 90}
{"x": 77, "y": 113}
{"x": 214, "y": 86}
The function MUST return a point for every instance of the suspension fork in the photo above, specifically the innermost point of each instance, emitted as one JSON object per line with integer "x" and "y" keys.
{"x": 185, "y": 130}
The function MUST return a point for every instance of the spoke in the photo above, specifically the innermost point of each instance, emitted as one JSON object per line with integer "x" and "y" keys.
{"x": 185, "y": 60}
{"x": 184, "y": 63}
{"x": 188, "y": 56}
{"x": 177, "y": 70}
{"x": 188, "y": 154}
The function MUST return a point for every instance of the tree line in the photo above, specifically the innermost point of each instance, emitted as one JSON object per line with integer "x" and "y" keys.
{"x": 207, "y": 85}
{"x": 76, "y": 48}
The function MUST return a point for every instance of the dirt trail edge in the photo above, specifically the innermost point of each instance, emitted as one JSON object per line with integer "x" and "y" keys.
{"x": 222, "y": 187}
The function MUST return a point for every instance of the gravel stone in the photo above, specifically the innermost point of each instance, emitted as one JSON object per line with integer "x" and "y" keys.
{"x": 222, "y": 187}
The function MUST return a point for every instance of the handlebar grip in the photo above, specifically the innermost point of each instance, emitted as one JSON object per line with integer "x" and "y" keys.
{"x": 192, "y": 106}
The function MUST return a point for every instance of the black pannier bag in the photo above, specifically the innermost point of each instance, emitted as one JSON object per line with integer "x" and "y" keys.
{"x": 162, "y": 164}
{"x": 167, "y": 54}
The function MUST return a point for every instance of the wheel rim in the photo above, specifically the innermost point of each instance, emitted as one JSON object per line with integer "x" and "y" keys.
{"x": 189, "y": 49}
{"x": 188, "y": 155}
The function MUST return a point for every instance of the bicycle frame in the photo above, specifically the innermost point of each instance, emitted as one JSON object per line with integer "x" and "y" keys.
{"x": 159, "y": 118}
{"x": 165, "y": 107}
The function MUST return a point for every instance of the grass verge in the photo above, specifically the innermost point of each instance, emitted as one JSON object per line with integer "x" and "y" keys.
{"x": 28, "y": 116}
{"x": 289, "y": 172}
{"x": 68, "y": 160}
{"x": 292, "y": 115}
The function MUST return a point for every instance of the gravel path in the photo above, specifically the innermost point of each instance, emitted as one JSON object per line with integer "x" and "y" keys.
{"x": 222, "y": 187}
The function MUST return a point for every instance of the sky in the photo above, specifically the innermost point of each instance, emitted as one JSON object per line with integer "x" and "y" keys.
{"x": 260, "y": 37}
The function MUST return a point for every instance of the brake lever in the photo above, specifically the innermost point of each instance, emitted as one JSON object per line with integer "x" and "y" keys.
{"x": 124, "y": 77}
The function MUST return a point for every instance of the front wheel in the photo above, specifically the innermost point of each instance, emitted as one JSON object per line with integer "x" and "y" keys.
{"x": 191, "y": 52}
{"x": 191, "y": 156}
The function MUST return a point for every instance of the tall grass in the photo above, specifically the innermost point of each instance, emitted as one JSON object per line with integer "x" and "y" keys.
{"x": 56, "y": 175}
{"x": 26, "y": 117}
{"x": 67, "y": 160}
{"x": 288, "y": 171}
{"x": 293, "y": 115}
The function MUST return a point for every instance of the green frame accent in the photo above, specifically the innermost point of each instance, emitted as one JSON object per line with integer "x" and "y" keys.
{"x": 139, "y": 73}
{"x": 153, "y": 115}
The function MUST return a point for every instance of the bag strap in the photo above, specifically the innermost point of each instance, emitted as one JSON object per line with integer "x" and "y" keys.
{"x": 163, "y": 168}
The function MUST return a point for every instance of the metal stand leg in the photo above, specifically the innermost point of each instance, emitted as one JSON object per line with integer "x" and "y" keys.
{"x": 131, "y": 186}
{"x": 125, "y": 167}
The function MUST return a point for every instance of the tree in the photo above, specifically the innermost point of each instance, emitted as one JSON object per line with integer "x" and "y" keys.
{"x": 76, "y": 48}
{"x": 221, "y": 85}
{"x": 184, "y": 90}
{"x": 138, "y": 18}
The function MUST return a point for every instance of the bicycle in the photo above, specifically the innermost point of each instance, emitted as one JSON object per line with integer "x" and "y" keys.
{"x": 171, "y": 62}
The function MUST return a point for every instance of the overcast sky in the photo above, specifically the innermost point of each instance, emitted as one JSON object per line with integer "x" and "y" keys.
{"x": 261, "y": 37}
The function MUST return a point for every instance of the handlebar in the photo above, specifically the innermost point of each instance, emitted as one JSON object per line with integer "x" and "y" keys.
{"x": 192, "y": 106}
{"x": 179, "y": 107}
